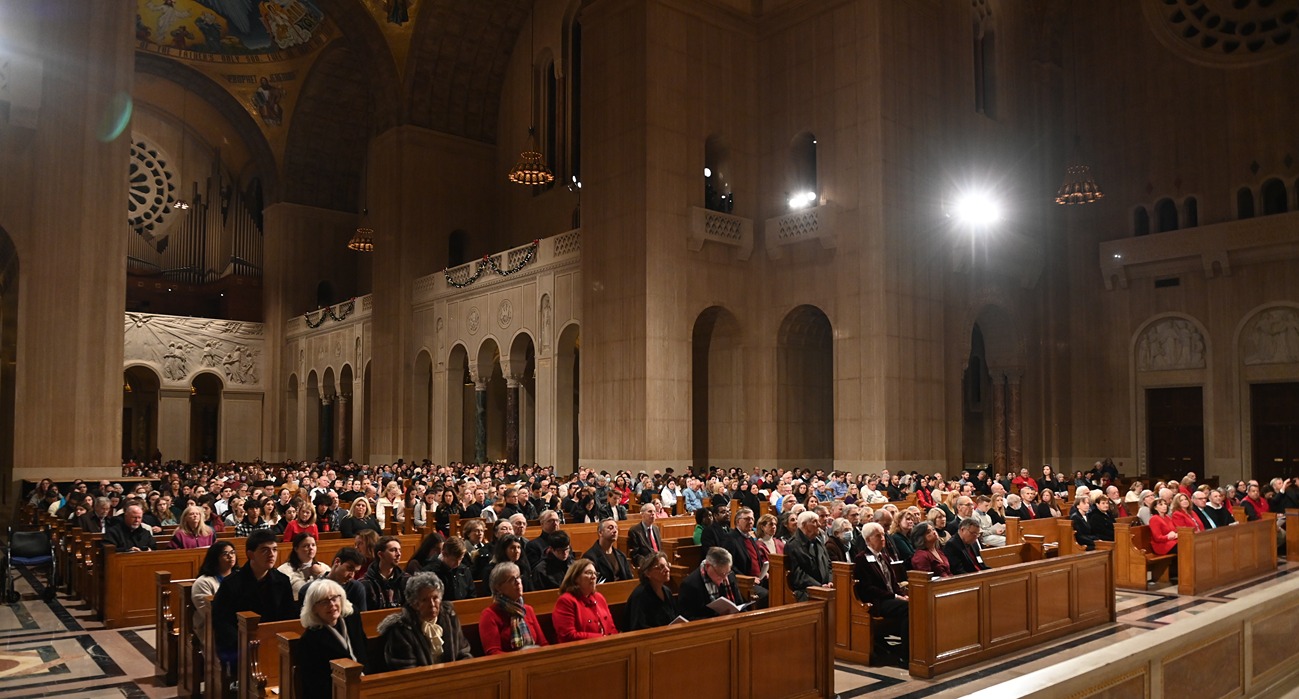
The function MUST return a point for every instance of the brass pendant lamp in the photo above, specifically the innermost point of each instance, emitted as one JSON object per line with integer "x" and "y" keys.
{"x": 532, "y": 169}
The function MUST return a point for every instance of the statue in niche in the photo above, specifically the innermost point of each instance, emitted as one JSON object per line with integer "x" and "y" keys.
{"x": 1172, "y": 343}
{"x": 357, "y": 357}
{"x": 439, "y": 335}
{"x": 547, "y": 319}
{"x": 173, "y": 361}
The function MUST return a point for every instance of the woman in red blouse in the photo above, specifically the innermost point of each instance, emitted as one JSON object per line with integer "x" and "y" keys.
{"x": 1163, "y": 532}
{"x": 581, "y": 612}
{"x": 508, "y": 624}
{"x": 1182, "y": 515}
{"x": 929, "y": 555}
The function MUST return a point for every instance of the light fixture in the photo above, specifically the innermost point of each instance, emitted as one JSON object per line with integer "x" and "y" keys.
{"x": 802, "y": 200}
{"x": 181, "y": 204}
{"x": 363, "y": 239}
{"x": 531, "y": 168}
{"x": 976, "y": 209}
{"x": 1079, "y": 186}
{"x": 708, "y": 172}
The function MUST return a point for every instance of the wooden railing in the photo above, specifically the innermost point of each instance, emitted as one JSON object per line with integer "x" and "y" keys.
{"x": 966, "y": 619}
{"x": 1218, "y": 557}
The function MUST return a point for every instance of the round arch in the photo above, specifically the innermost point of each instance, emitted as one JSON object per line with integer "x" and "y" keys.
{"x": 568, "y": 396}
{"x": 141, "y": 393}
{"x": 717, "y": 389}
{"x": 421, "y": 436}
{"x": 1168, "y": 358}
{"x": 805, "y": 388}
{"x": 205, "y": 415}
{"x": 1266, "y": 368}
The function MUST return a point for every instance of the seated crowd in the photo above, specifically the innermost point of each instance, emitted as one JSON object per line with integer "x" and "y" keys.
{"x": 814, "y": 519}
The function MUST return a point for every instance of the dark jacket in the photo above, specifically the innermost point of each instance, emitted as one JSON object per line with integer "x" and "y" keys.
{"x": 646, "y": 611}
{"x": 550, "y": 573}
{"x": 351, "y": 525}
{"x": 271, "y": 598}
{"x": 1102, "y": 524}
{"x": 619, "y": 570}
{"x": 318, "y": 646}
{"x": 125, "y": 539}
{"x": 1082, "y": 530}
{"x": 964, "y": 559}
{"x": 457, "y": 583}
{"x": 741, "y": 561}
{"x": 1218, "y": 515}
{"x": 876, "y": 584}
{"x": 714, "y": 535}
{"x": 693, "y": 601}
{"x": 353, "y": 589}
{"x": 405, "y": 645}
{"x": 807, "y": 564}
{"x": 385, "y": 593}
{"x": 638, "y": 541}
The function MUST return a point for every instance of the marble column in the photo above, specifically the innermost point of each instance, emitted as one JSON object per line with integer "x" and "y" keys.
{"x": 512, "y": 419}
{"x": 344, "y": 426}
{"x": 1015, "y": 428}
{"x": 326, "y": 442}
{"x": 998, "y": 422}
{"x": 480, "y": 420}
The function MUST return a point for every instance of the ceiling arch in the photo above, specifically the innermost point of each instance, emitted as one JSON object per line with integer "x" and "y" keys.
{"x": 457, "y": 64}
{"x": 331, "y": 127}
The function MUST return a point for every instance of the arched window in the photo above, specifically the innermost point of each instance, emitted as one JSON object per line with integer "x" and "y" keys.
{"x": 717, "y": 186}
{"x": 1165, "y": 216}
{"x": 457, "y": 245}
{"x": 1274, "y": 197}
{"x": 803, "y": 190}
{"x": 1190, "y": 213}
{"x": 1244, "y": 203}
{"x": 985, "y": 58}
{"x": 1140, "y": 221}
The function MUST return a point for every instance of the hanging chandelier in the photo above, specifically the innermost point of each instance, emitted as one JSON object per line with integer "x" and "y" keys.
{"x": 532, "y": 169}
{"x": 362, "y": 240}
{"x": 1079, "y": 187}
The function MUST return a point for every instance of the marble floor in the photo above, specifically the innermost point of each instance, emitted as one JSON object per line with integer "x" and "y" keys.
{"x": 55, "y": 649}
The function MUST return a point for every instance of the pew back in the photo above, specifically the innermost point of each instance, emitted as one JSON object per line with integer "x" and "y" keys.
{"x": 1217, "y": 557}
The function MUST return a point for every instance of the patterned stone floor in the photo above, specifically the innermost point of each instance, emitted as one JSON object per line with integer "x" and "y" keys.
{"x": 55, "y": 649}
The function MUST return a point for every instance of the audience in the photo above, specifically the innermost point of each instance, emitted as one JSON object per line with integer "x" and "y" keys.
{"x": 449, "y": 567}
{"x": 877, "y": 586}
{"x": 929, "y": 555}
{"x": 425, "y": 631}
{"x": 332, "y": 631}
{"x": 1163, "y": 531}
{"x": 554, "y": 565}
{"x": 611, "y": 564}
{"x": 359, "y": 517}
{"x": 963, "y": 551}
{"x": 1082, "y": 528}
{"x": 806, "y": 560}
{"x": 218, "y": 564}
{"x": 344, "y": 570}
{"x": 255, "y": 587}
{"x": 193, "y": 532}
{"x": 128, "y": 534}
{"x": 385, "y": 581}
{"x": 305, "y": 521}
{"x": 302, "y": 566}
{"x": 713, "y": 579}
{"x": 646, "y": 537}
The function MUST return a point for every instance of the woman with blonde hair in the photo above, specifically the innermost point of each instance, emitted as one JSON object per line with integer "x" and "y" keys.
{"x": 391, "y": 497}
{"x": 332, "y": 631}
{"x": 767, "y": 534}
{"x": 359, "y": 517}
{"x": 938, "y": 519}
{"x": 193, "y": 532}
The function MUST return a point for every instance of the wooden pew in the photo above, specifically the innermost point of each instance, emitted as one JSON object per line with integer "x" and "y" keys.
{"x": 1134, "y": 556}
{"x": 274, "y": 657}
{"x": 966, "y": 619}
{"x": 780, "y": 652}
{"x": 1046, "y": 527}
{"x": 127, "y": 582}
{"x": 1030, "y": 549}
{"x": 166, "y": 628}
{"x": 189, "y": 675}
{"x": 1217, "y": 557}
{"x": 1292, "y": 535}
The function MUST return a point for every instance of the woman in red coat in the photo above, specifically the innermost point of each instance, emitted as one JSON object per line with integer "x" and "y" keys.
{"x": 581, "y": 612}
{"x": 1182, "y": 515}
{"x": 1163, "y": 532}
{"x": 508, "y": 624}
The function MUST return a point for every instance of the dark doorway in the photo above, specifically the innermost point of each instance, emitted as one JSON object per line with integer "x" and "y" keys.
{"x": 1274, "y": 414}
{"x": 1175, "y": 431}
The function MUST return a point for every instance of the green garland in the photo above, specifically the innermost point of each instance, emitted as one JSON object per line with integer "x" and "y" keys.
{"x": 495, "y": 267}
{"x": 345, "y": 309}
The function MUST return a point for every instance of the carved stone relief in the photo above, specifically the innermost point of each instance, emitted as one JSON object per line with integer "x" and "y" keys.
{"x": 1171, "y": 343}
{"x": 547, "y": 320}
{"x": 1273, "y": 337}
{"x": 180, "y": 347}
{"x": 471, "y": 320}
{"x": 505, "y": 314}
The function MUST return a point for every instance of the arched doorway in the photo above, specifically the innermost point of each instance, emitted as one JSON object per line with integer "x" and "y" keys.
{"x": 328, "y": 399}
{"x": 363, "y": 440}
{"x": 421, "y": 432}
{"x": 204, "y": 416}
{"x": 716, "y": 389}
{"x": 489, "y": 435}
{"x": 460, "y": 406}
{"x": 310, "y": 419}
{"x": 344, "y": 410}
{"x": 976, "y": 404}
{"x": 805, "y": 389}
{"x": 140, "y": 413}
{"x": 521, "y": 401}
{"x": 991, "y": 397}
{"x": 568, "y": 392}
{"x": 292, "y": 449}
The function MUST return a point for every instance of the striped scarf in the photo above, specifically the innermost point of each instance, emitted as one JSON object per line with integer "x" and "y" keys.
{"x": 520, "y": 634}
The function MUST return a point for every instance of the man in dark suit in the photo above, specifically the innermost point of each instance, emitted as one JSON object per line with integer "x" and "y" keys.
{"x": 97, "y": 521}
{"x": 1082, "y": 530}
{"x": 718, "y": 532}
{"x": 533, "y": 550}
{"x": 962, "y": 550}
{"x": 129, "y": 534}
{"x": 644, "y": 538}
{"x": 748, "y": 555}
{"x": 610, "y": 563}
{"x": 806, "y": 560}
{"x": 877, "y": 586}
{"x": 1210, "y": 517}
{"x": 711, "y": 580}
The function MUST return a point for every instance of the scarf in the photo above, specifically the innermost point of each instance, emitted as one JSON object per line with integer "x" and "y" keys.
{"x": 340, "y": 634}
{"x": 520, "y": 634}
{"x": 433, "y": 633}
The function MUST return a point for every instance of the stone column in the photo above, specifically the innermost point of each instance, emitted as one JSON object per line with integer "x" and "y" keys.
{"x": 512, "y": 419}
{"x": 344, "y": 426}
{"x": 325, "y": 445}
{"x": 998, "y": 422}
{"x": 480, "y": 419}
{"x": 1015, "y": 426}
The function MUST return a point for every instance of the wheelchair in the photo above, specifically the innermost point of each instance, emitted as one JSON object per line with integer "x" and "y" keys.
{"x": 28, "y": 549}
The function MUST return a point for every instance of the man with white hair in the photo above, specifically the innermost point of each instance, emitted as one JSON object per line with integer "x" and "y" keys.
{"x": 878, "y": 586}
{"x": 807, "y": 562}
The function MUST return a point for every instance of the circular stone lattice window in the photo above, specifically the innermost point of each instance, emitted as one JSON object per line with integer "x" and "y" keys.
{"x": 1225, "y": 32}
{"x": 149, "y": 189}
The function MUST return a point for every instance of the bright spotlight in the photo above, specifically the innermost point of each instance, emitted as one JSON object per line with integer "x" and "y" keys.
{"x": 708, "y": 172}
{"x": 802, "y": 200}
{"x": 977, "y": 210}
